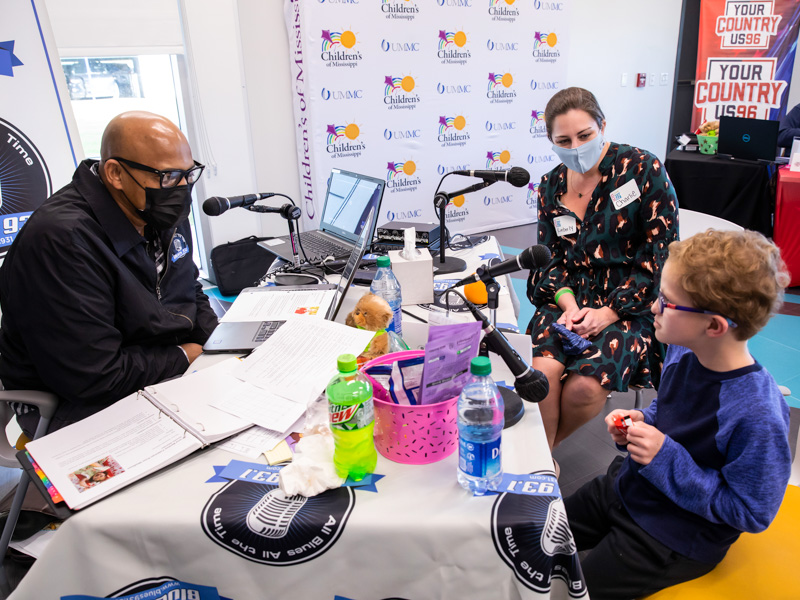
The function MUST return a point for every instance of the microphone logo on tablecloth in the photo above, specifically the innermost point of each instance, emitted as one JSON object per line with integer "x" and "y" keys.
{"x": 532, "y": 536}
{"x": 273, "y": 528}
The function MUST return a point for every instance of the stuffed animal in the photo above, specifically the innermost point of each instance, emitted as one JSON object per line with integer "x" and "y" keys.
{"x": 372, "y": 313}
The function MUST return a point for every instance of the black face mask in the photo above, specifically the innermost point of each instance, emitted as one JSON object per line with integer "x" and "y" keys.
{"x": 166, "y": 208}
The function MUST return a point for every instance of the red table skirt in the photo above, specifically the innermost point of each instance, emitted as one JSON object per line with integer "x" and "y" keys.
{"x": 786, "y": 233}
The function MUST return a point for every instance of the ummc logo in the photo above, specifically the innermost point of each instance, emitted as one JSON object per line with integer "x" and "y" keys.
{"x": 500, "y": 126}
{"x": 402, "y": 135}
{"x": 502, "y": 46}
{"x": 548, "y": 5}
{"x": 543, "y": 85}
{"x": 403, "y": 215}
{"x": 341, "y": 94}
{"x": 441, "y": 169}
{"x": 541, "y": 159}
{"x": 399, "y": 46}
{"x": 488, "y": 201}
{"x": 453, "y": 89}
{"x": 461, "y": 3}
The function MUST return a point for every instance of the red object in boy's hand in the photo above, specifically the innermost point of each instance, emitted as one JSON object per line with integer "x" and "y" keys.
{"x": 622, "y": 424}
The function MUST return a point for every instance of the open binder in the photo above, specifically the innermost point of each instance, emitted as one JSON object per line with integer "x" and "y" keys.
{"x": 137, "y": 435}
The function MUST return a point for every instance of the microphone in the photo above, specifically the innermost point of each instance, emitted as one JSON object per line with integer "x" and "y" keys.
{"x": 531, "y": 385}
{"x": 516, "y": 176}
{"x": 217, "y": 205}
{"x": 530, "y": 258}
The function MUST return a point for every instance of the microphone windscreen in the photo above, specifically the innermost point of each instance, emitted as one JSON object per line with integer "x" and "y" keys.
{"x": 212, "y": 207}
{"x": 476, "y": 292}
{"x": 534, "y": 257}
{"x": 518, "y": 177}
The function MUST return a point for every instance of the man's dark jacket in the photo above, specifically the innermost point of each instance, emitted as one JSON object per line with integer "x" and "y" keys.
{"x": 83, "y": 314}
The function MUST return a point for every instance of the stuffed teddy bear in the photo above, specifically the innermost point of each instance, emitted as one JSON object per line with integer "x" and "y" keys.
{"x": 372, "y": 313}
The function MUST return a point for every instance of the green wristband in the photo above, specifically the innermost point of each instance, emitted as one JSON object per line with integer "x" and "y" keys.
{"x": 563, "y": 291}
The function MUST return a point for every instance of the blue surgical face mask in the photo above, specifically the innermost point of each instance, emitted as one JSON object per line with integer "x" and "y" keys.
{"x": 584, "y": 157}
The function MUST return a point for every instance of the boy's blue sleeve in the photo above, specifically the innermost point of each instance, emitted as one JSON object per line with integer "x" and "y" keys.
{"x": 753, "y": 436}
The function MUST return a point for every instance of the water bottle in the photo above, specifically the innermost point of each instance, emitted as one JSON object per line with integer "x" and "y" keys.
{"x": 386, "y": 286}
{"x": 352, "y": 419}
{"x": 480, "y": 427}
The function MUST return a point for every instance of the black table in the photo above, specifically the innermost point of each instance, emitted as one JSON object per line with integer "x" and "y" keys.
{"x": 740, "y": 191}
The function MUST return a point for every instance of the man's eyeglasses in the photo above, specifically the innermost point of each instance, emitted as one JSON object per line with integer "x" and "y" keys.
{"x": 664, "y": 303}
{"x": 169, "y": 178}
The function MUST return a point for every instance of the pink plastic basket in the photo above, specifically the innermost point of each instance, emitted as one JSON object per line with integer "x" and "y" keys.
{"x": 413, "y": 435}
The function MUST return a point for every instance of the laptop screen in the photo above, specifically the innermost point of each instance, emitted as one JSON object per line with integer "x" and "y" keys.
{"x": 349, "y": 199}
{"x": 348, "y": 274}
{"x": 751, "y": 139}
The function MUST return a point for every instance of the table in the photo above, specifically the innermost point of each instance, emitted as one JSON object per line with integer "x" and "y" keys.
{"x": 418, "y": 535}
{"x": 733, "y": 189}
{"x": 787, "y": 220}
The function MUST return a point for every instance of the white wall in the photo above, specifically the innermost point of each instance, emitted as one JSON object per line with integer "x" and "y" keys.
{"x": 613, "y": 37}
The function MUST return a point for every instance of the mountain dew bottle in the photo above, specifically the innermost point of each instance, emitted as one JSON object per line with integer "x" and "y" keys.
{"x": 352, "y": 419}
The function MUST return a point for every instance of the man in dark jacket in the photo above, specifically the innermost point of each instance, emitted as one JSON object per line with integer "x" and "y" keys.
{"x": 99, "y": 291}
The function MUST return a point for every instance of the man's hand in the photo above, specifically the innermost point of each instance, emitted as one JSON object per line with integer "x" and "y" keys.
{"x": 192, "y": 351}
{"x": 616, "y": 435}
{"x": 644, "y": 442}
{"x": 589, "y": 322}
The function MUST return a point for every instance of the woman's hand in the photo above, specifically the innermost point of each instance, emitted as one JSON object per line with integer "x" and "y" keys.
{"x": 644, "y": 442}
{"x": 568, "y": 316}
{"x": 588, "y": 322}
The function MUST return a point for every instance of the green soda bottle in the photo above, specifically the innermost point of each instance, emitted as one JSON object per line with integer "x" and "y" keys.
{"x": 352, "y": 419}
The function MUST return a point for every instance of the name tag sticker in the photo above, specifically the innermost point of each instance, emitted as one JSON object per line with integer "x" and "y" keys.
{"x": 565, "y": 225}
{"x": 625, "y": 194}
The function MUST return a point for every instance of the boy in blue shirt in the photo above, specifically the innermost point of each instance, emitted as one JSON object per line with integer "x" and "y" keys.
{"x": 710, "y": 457}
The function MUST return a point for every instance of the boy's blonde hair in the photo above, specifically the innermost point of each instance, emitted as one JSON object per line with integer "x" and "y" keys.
{"x": 739, "y": 274}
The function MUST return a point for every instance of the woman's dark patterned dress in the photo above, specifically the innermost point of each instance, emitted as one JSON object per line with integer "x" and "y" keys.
{"x": 614, "y": 258}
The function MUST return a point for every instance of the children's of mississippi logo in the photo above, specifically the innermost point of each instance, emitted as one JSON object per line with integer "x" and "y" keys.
{"x": 499, "y": 91}
{"x": 497, "y": 160}
{"x": 262, "y": 524}
{"x": 544, "y": 47}
{"x": 538, "y": 128}
{"x": 451, "y": 131}
{"x": 338, "y": 49}
{"x": 343, "y": 141}
{"x": 455, "y": 211}
{"x": 399, "y": 9}
{"x": 398, "y": 92}
{"x": 452, "y": 47}
{"x": 532, "y": 198}
{"x": 400, "y": 176}
{"x": 503, "y": 10}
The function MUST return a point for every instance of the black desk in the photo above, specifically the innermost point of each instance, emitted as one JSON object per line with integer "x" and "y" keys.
{"x": 736, "y": 190}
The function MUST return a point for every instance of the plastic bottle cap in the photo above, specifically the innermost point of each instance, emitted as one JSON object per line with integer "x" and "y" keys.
{"x": 480, "y": 365}
{"x": 384, "y": 261}
{"x": 346, "y": 363}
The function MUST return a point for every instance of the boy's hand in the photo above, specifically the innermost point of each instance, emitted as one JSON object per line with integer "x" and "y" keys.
{"x": 644, "y": 442}
{"x": 620, "y": 438}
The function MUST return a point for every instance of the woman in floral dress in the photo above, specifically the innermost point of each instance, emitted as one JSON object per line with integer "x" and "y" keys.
{"x": 607, "y": 213}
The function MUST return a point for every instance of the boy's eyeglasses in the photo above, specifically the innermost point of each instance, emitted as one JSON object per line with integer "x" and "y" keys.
{"x": 664, "y": 303}
{"x": 169, "y": 178}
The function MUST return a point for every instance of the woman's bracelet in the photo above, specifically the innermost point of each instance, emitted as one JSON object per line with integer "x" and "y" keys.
{"x": 563, "y": 291}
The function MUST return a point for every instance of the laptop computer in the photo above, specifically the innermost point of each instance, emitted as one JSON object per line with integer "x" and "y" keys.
{"x": 751, "y": 139}
{"x": 348, "y": 200}
{"x": 241, "y": 337}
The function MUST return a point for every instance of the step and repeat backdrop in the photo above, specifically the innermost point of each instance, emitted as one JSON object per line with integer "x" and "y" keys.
{"x": 409, "y": 90}
{"x": 745, "y": 59}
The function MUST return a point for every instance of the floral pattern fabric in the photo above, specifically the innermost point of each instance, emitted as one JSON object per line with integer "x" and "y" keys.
{"x": 613, "y": 258}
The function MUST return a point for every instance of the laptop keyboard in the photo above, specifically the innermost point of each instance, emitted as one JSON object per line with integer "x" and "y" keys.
{"x": 266, "y": 329}
{"x": 318, "y": 245}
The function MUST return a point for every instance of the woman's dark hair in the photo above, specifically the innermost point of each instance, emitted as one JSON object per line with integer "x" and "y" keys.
{"x": 572, "y": 98}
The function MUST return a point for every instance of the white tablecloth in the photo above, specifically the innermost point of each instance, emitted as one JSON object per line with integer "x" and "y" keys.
{"x": 418, "y": 535}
